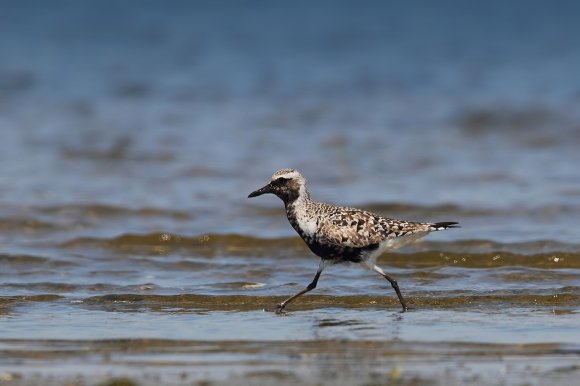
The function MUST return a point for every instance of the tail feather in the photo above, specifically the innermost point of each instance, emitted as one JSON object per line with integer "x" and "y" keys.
{"x": 439, "y": 226}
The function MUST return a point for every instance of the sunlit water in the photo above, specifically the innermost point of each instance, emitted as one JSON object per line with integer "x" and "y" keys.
{"x": 132, "y": 134}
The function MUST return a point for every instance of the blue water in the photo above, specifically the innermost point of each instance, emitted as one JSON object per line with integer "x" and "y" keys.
{"x": 194, "y": 104}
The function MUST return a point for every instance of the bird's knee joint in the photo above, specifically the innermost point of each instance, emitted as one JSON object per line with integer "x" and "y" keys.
{"x": 311, "y": 286}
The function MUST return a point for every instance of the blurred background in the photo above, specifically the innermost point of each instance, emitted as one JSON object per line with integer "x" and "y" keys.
{"x": 190, "y": 105}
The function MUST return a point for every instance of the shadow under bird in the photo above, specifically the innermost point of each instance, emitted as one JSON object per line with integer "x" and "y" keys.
{"x": 339, "y": 234}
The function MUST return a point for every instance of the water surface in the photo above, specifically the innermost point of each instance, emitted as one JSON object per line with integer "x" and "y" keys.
{"x": 132, "y": 133}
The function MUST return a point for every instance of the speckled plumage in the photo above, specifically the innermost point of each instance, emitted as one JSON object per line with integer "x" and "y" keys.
{"x": 340, "y": 234}
{"x": 340, "y": 230}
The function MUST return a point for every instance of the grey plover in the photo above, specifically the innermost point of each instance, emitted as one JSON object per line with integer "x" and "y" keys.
{"x": 339, "y": 234}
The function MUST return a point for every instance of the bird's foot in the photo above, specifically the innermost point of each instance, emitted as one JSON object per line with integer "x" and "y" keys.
{"x": 278, "y": 310}
{"x": 405, "y": 309}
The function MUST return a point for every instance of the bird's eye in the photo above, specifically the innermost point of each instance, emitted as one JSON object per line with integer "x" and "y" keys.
{"x": 281, "y": 180}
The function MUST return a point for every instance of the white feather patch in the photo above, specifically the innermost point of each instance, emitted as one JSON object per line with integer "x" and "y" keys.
{"x": 290, "y": 175}
{"x": 400, "y": 241}
{"x": 308, "y": 225}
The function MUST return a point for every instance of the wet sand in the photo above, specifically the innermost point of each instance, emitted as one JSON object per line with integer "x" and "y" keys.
{"x": 475, "y": 319}
{"x": 341, "y": 362}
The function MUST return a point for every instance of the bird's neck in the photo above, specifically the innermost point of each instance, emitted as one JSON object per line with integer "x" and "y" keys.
{"x": 298, "y": 200}
{"x": 299, "y": 215}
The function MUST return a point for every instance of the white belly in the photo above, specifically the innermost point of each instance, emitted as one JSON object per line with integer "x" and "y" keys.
{"x": 391, "y": 244}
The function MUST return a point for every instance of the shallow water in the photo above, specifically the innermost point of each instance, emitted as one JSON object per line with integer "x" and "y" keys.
{"x": 133, "y": 132}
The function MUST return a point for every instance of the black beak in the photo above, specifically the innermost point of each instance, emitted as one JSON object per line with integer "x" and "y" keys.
{"x": 259, "y": 192}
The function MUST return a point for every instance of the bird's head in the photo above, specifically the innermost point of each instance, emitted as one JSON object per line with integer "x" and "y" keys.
{"x": 288, "y": 184}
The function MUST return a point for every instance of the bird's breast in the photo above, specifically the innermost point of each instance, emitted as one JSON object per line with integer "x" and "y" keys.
{"x": 305, "y": 225}
{"x": 308, "y": 225}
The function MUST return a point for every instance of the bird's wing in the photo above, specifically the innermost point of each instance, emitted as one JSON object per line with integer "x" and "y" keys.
{"x": 358, "y": 229}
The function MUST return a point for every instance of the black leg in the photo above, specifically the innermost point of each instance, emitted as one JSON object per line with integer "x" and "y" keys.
{"x": 397, "y": 290}
{"x": 280, "y": 307}
{"x": 393, "y": 284}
